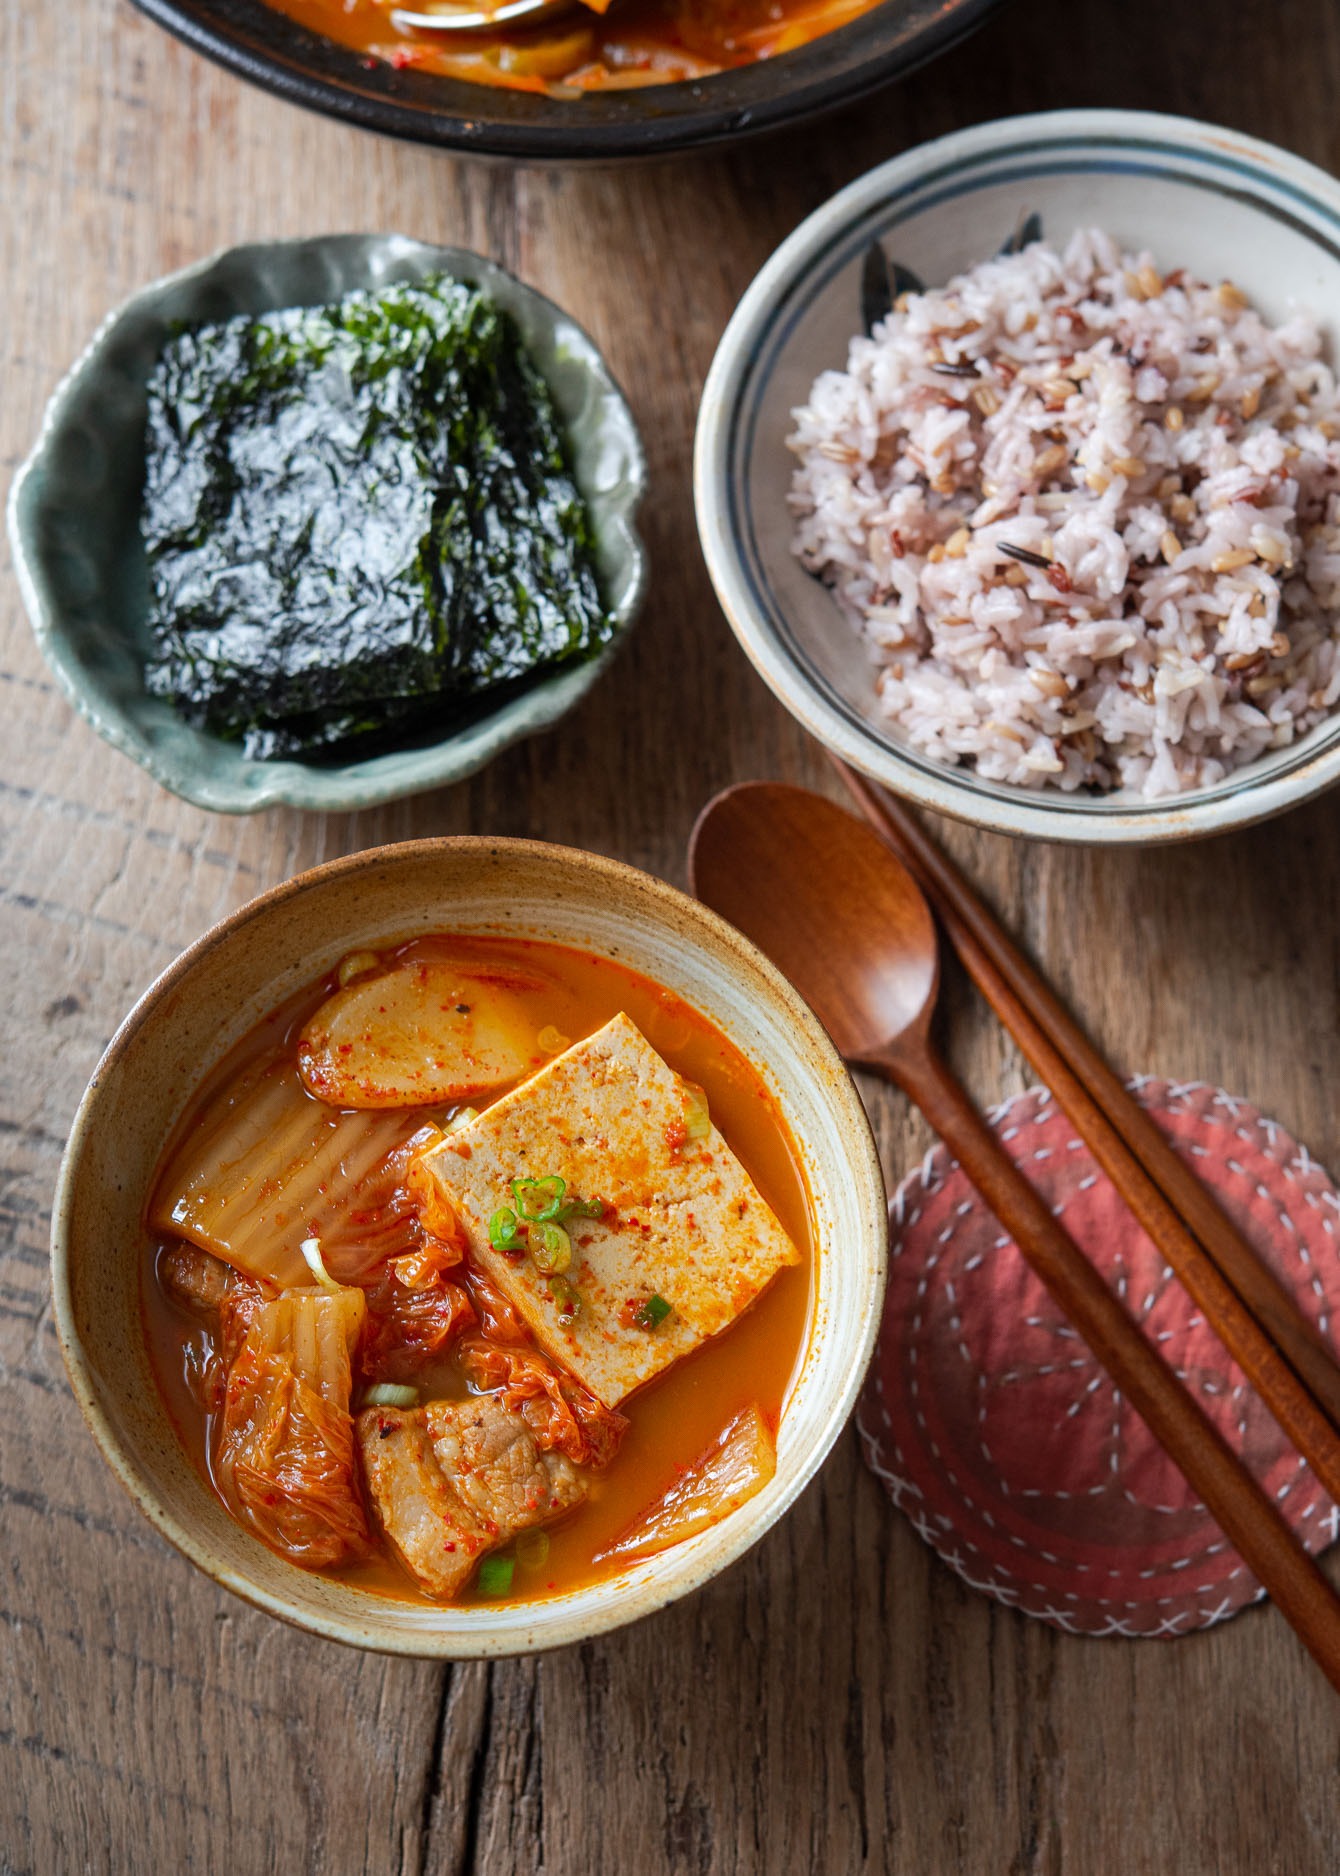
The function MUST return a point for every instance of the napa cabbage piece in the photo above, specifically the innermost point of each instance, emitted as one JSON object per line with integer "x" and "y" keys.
{"x": 266, "y": 1166}
{"x": 720, "y": 1480}
{"x": 422, "y": 1034}
{"x": 410, "y": 1326}
{"x": 285, "y": 1458}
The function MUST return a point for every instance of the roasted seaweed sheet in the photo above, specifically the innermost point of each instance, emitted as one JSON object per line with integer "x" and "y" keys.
{"x": 358, "y": 518}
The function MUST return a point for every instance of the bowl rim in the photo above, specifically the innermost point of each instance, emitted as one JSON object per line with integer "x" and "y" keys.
{"x": 730, "y": 107}
{"x": 290, "y": 782}
{"x": 1241, "y": 799}
{"x": 624, "y": 1601}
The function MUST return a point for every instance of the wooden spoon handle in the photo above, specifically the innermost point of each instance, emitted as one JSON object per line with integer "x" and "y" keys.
{"x": 1145, "y": 1168}
{"x": 1251, "y": 1521}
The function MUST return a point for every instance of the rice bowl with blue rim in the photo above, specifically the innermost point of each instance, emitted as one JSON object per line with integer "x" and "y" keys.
{"x": 1186, "y": 196}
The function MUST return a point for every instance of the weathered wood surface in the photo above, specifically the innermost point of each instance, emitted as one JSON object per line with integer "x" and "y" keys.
{"x": 837, "y": 1702}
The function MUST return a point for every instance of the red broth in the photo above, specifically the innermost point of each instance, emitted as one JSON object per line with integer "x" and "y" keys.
{"x": 674, "y": 1418}
{"x": 636, "y": 42}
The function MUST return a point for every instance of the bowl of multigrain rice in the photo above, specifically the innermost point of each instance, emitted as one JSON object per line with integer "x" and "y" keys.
{"x": 1018, "y": 476}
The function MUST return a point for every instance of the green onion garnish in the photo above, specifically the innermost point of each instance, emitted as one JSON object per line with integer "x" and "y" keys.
{"x": 697, "y": 1114}
{"x": 495, "y": 1576}
{"x": 503, "y": 1229}
{"x": 652, "y": 1313}
{"x": 550, "y": 1248}
{"x": 388, "y": 1394}
{"x": 532, "y": 1548}
{"x": 316, "y": 1263}
{"x": 568, "y": 1299}
{"x": 581, "y": 1208}
{"x": 539, "y": 1200}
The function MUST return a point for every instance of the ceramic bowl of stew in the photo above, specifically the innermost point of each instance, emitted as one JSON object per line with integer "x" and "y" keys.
{"x": 705, "y": 998}
{"x": 324, "y": 54}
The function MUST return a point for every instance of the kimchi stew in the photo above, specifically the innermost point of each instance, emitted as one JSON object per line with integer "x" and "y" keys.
{"x": 478, "y": 1271}
{"x": 597, "y": 45}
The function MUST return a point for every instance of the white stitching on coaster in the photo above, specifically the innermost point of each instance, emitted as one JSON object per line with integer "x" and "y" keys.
{"x": 1035, "y": 1109}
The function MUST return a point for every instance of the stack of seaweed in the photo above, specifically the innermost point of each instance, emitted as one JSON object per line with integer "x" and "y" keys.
{"x": 358, "y": 517}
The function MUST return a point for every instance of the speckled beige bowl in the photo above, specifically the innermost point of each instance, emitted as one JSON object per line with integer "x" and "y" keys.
{"x": 227, "y": 980}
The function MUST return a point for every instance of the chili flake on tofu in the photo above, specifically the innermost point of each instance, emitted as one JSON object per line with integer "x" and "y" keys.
{"x": 681, "y": 1221}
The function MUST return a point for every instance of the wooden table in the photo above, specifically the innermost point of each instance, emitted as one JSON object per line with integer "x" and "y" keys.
{"x": 839, "y": 1701}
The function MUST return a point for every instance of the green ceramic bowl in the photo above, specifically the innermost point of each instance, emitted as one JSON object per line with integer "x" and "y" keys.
{"x": 74, "y": 521}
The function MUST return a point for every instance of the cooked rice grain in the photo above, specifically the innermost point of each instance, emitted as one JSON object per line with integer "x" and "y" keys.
{"x": 1169, "y": 458}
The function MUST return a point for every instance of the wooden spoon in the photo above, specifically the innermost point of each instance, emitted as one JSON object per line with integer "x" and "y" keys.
{"x": 819, "y": 892}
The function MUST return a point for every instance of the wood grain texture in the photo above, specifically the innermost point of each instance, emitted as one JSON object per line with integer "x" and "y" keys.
{"x": 839, "y": 1701}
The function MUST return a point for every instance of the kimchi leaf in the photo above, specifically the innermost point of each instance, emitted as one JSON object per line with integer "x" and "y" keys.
{"x": 720, "y": 1479}
{"x": 285, "y": 1454}
{"x": 266, "y": 1167}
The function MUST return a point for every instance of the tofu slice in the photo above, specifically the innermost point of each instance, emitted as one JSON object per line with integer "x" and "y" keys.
{"x": 456, "y": 1479}
{"x": 683, "y": 1220}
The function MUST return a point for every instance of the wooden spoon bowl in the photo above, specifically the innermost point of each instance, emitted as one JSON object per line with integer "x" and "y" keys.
{"x": 860, "y": 945}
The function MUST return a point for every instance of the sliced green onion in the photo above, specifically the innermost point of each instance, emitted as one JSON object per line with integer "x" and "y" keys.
{"x": 567, "y": 1298}
{"x": 357, "y": 964}
{"x": 550, "y": 1248}
{"x": 316, "y": 1263}
{"x": 697, "y": 1115}
{"x": 388, "y": 1394}
{"x": 503, "y": 1229}
{"x": 580, "y": 1208}
{"x": 495, "y": 1576}
{"x": 461, "y": 1118}
{"x": 532, "y": 1548}
{"x": 652, "y": 1313}
{"x": 552, "y": 1041}
{"x": 539, "y": 1200}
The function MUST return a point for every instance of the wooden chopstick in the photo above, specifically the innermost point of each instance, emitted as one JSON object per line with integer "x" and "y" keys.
{"x": 1248, "y": 1516}
{"x": 1254, "y": 1316}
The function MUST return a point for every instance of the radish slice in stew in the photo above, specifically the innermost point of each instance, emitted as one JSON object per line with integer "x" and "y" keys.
{"x": 415, "y": 1036}
{"x": 719, "y": 1480}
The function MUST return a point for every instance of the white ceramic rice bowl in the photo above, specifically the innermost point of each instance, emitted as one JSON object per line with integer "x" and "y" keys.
{"x": 1211, "y": 201}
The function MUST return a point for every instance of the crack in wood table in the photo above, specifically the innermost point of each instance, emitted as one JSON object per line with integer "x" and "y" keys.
{"x": 839, "y": 1701}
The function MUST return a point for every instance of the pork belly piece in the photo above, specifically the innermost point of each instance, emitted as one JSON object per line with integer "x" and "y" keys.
{"x": 222, "y": 1298}
{"x": 683, "y": 1225}
{"x": 196, "y": 1279}
{"x": 434, "y": 1531}
{"x": 455, "y": 1479}
{"x": 491, "y": 1457}
{"x": 563, "y": 1415}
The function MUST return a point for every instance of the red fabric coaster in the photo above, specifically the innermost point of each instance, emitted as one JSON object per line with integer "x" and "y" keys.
{"x": 1003, "y": 1440}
